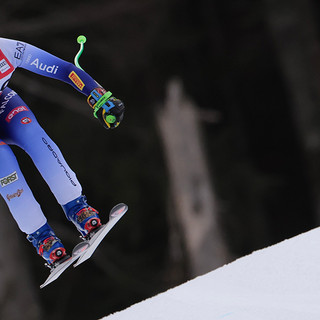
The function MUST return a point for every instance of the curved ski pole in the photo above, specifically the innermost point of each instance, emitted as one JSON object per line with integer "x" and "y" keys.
{"x": 81, "y": 40}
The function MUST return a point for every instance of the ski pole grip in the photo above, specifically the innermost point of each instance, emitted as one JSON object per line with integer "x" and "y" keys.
{"x": 103, "y": 99}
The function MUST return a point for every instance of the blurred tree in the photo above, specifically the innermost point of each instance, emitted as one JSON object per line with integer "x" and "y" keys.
{"x": 292, "y": 27}
{"x": 17, "y": 288}
{"x": 194, "y": 208}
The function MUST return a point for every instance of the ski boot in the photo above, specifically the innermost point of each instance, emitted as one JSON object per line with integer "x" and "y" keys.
{"x": 83, "y": 216}
{"x": 47, "y": 245}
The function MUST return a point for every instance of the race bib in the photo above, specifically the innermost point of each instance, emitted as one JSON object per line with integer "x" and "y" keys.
{"x": 5, "y": 66}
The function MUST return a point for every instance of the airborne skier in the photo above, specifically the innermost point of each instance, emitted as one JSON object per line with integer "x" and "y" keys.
{"x": 18, "y": 126}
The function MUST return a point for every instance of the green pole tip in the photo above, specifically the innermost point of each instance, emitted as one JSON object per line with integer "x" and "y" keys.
{"x": 81, "y": 39}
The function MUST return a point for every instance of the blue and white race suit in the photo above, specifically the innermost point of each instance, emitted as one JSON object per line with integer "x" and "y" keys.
{"x": 18, "y": 126}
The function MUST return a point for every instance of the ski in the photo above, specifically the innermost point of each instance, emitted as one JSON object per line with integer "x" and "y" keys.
{"x": 115, "y": 215}
{"x": 61, "y": 266}
{"x": 84, "y": 250}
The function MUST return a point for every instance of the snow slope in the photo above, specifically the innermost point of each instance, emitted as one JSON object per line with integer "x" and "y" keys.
{"x": 281, "y": 282}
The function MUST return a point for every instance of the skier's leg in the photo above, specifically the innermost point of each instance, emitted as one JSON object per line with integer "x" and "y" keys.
{"x": 24, "y": 131}
{"x": 16, "y": 192}
{"x": 25, "y": 209}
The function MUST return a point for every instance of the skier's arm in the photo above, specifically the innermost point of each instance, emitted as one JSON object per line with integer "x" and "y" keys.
{"x": 46, "y": 64}
{"x": 110, "y": 112}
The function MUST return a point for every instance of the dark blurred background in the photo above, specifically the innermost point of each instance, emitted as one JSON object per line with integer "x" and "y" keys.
{"x": 250, "y": 71}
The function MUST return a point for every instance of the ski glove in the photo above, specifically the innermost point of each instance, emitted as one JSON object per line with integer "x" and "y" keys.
{"x": 109, "y": 110}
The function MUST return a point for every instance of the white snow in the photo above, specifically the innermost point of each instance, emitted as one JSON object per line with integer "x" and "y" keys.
{"x": 281, "y": 282}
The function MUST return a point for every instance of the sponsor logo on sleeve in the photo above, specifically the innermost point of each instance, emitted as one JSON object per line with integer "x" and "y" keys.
{"x": 20, "y": 46}
{"x": 76, "y": 80}
{"x": 28, "y": 58}
{"x": 15, "y": 111}
{"x": 26, "y": 120}
{"x": 5, "y": 66}
{"x": 52, "y": 69}
{"x": 12, "y": 177}
{"x": 6, "y": 99}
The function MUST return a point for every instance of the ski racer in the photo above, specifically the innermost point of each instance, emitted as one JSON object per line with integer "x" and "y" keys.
{"x": 18, "y": 126}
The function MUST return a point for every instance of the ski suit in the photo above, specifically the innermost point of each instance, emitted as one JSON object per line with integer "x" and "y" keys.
{"x": 18, "y": 126}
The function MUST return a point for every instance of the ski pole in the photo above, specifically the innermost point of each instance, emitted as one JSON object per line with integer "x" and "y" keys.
{"x": 109, "y": 118}
{"x": 81, "y": 40}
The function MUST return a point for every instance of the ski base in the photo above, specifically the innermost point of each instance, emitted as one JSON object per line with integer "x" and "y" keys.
{"x": 56, "y": 271}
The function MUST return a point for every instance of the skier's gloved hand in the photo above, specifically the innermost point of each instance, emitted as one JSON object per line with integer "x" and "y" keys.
{"x": 111, "y": 113}
{"x": 109, "y": 110}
